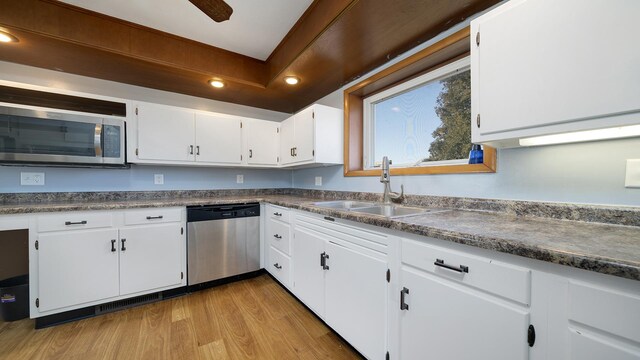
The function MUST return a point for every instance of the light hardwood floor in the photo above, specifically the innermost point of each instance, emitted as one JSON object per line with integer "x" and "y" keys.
{"x": 250, "y": 319}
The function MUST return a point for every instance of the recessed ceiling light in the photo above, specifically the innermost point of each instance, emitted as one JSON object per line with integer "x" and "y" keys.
{"x": 291, "y": 80}
{"x": 5, "y": 37}
{"x": 216, "y": 83}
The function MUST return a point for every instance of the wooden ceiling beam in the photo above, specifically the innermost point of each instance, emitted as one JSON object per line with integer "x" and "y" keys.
{"x": 333, "y": 43}
{"x": 92, "y": 30}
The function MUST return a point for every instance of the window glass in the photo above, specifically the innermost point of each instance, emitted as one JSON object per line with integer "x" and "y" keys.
{"x": 423, "y": 121}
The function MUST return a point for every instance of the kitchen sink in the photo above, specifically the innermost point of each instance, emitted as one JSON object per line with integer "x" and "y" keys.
{"x": 344, "y": 204}
{"x": 391, "y": 210}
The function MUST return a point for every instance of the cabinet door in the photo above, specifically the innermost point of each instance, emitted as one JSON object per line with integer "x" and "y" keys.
{"x": 545, "y": 62}
{"x": 356, "y": 292}
{"x": 287, "y": 141}
{"x": 308, "y": 275}
{"x": 304, "y": 135}
{"x": 151, "y": 257}
{"x": 218, "y": 139}
{"x": 263, "y": 143}
{"x": 448, "y": 321}
{"x": 76, "y": 267}
{"x": 165, "y": 133}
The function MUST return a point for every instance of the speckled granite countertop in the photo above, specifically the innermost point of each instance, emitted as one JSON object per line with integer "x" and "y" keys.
{"x": 605, "y": 248}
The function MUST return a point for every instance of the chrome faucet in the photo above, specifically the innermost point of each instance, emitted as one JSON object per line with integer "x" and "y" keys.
{"x": 385, "y": 178}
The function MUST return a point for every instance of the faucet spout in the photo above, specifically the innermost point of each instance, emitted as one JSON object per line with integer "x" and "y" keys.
{"x": 385, "y": 178}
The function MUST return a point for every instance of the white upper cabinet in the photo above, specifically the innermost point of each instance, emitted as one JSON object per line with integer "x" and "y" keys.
{"x": 541, "y": 67}
{"x": 287, "y": 141}
{"x": 263, "y": 145}
{"x": 304, "y": 146}
{"x": 161, "y": 134}
{"x": 218, "y": 140}
{"x": 312, "y": 136}
{"x": 165, "y": 133}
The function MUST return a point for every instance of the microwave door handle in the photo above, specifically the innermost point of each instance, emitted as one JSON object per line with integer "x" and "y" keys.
{"x": 97, "y": 140}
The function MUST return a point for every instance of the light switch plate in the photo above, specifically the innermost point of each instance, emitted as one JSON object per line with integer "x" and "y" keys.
{"x": 32, "y": 178}
{"x": 318, "y": 180}
{"x": 158, "y": 179}
{"x": 240, "y": 179}
{"x": 632, "y": 180}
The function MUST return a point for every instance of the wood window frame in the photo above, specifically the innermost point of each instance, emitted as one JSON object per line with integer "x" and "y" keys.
{"x": 443, "y": 52}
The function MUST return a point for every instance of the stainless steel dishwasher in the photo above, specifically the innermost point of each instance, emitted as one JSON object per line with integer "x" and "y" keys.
{"x": 222, "y": 241}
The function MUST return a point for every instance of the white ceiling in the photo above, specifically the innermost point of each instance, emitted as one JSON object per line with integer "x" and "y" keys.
{"x": 256, "y": 27}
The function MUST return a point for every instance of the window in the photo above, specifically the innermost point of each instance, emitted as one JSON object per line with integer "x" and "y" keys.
{"x": 417, "y": 112}
{"x": 421, "y": 122}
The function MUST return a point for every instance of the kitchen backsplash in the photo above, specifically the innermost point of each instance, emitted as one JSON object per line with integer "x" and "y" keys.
{"x": 585, "y": 173}
{"x": 141, "y": 178}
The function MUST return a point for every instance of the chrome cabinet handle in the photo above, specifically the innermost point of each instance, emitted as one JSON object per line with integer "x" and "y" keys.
{"x": 83, "y": 222}
{"x": 123, "y": 248}
{"x": 277, "y": 236}
{"x": 250, "y": 154}
{"x": 113, "y": 245}
{"x": 154, "y": 217}
{"x": 277, "y": 214}
{"x": 459, "y": 269}
{"x": 198, "y": 150}
{"x": 403, "y": 305}
{"x": 277, "y": 266}
{"x": 190, "y": 149}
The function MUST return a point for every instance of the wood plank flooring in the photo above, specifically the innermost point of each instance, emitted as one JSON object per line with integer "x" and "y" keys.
{"x": 250, "y": 319}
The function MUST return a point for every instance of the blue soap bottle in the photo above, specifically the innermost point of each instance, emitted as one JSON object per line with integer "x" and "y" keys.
{"x": 476, "y": 155}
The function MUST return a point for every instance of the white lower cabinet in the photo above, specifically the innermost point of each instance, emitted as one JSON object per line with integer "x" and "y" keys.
{"x": 342, "y": 281}
{"x": 76, "y": 267}
{"x": 459, "y": 306}
{"x": 82, "y": 266}
{"x": 308, "y": 275}
{"x": 445, "y": 300}
{"x": 355, "y": 292}
{"x": 443, "y": 320}
{"x": 150, "y": 257}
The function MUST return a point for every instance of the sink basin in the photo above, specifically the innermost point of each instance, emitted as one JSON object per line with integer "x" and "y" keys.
{"x": 391, "y": 210}
{"x": 343, "y": 204}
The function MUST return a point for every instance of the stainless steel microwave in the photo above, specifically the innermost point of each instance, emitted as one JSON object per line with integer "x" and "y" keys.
{"x": 41, "y": 136}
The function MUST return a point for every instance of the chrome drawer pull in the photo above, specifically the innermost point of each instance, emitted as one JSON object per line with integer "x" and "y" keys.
{"x": 459, "y": 269}
{"x": 277, "y": 266}
{"x": 277, "y": 236}
{"x": 154, "y": 217}
{"x": 277, "y": 214}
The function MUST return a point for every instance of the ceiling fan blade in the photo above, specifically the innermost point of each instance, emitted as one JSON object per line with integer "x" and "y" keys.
{"x": 217, "y": 10}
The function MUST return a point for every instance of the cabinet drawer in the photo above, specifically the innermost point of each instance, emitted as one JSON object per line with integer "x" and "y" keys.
{"x": 74, "y": 221}
{"x": 278, "y": 235}
{"x": 279, "y": 266}
{"x": 614, "y": 312}
{"x": 278, "y": 213}
{"x": 152, "y": 216}
{"x": 501, "y": 279}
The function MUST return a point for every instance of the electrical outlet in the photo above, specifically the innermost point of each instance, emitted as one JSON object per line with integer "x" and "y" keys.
{"x": 318, "y": 180}
{"x": 632, "y": 179}
{"x": 31, "y": 178}
{"x": 158, "y": 179}
{"x": 240, "y": 179}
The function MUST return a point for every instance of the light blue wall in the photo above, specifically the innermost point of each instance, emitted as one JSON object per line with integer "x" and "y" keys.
{"x": 140, "y": 178}
{"x": 588, "y": 173}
